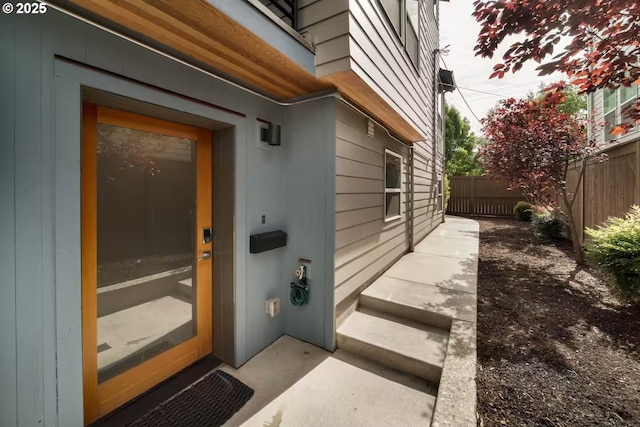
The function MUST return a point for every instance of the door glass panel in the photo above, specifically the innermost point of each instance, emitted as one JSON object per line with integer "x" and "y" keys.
{"x": 146, "y": 228}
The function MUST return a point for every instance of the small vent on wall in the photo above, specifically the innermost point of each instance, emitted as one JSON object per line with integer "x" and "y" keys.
{"x": 370, "y": 128}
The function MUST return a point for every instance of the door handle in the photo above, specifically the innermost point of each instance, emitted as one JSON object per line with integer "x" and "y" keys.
{"x": 205, "y": 255}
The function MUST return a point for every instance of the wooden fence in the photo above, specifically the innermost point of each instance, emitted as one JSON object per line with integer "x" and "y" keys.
{"x": 479, "y": 195}
{"x": 609, "y": 188}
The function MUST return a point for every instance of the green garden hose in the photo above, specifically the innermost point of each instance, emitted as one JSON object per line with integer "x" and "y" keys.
{"x": 299, "y": 293}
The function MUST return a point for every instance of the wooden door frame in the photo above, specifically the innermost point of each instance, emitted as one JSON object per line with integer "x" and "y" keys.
{"x": 100, "y": 399}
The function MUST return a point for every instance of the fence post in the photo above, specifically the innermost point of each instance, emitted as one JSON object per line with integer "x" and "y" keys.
{"x": 473, "y": 195}
{"x": 583, "y": 202}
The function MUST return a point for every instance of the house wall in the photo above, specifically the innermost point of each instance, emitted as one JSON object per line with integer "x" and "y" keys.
{"x": 428, "y": 167}
{"x": 366, "y": 245}
{"x": 326, "y": 25}
{"x": 46, "y": 61}
{"x": 356, "y": 35}
{"x": 428, "y": 154}
{"x": 309, "y": 184}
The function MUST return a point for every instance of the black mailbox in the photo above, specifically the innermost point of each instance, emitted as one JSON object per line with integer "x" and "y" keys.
{"x": 266, "y": 241}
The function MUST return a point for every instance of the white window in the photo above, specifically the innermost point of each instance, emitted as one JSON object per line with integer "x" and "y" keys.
{"x": 609, "y": 113}
{"x": 439, "y": 195}
{"x": 615, "y": 105}
{"x": 392, "y": 185}
{"x": 628, "y": 98}
{"x": 404, "y": 17}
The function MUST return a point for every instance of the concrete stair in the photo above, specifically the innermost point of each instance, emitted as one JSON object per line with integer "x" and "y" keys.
{"x": 419, "y": 319}
{"x": 431, "y": 305}
{"x": 398, "y": 343}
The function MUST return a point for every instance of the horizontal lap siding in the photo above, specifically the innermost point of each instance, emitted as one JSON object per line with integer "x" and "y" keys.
{"x": 428, "y": 162}
{"x": 427, "y": 166}
{"x": 365, "y": 243}
{"x": 325, "y": 23}
{"x": 380, "y": 59}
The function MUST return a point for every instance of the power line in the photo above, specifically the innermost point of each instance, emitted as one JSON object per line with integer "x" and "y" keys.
{"x": 461, "y": 94}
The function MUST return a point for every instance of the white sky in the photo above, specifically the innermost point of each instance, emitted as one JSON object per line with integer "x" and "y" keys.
{"x": 459, "y": 30}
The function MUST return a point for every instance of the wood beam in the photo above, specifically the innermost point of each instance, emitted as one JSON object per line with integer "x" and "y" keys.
{"x": 201, "y": 31}
{"x": 358, "y": 91}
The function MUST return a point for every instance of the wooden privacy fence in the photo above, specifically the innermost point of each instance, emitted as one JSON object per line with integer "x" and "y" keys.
{"x": 609, "y": 188}
{"x": 480, "y": 195}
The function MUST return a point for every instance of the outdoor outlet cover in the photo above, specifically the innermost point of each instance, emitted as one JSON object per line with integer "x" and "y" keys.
{"x": 273, "y": 307}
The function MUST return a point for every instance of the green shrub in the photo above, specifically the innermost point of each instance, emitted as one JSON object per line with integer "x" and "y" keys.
{"x": 523, "y": 211}
{"x": 546, "y": 224}
{"x": 615, "y": 246}
{"x": 447, "y": 191}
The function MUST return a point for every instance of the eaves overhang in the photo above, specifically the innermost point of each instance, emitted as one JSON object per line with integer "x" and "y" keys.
{"x": 197, "y": 32}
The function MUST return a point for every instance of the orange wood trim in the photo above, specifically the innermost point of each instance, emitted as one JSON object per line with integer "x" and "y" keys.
{"x": 100, "y": 399}
{"x": 145, "y": 123}
{"x": 204, "y": 286}
{"x": 198, "y": 29}
{"x": 89, "y": 227}
{"x": 119, "y": 390}
{"x": 357, "y": 90}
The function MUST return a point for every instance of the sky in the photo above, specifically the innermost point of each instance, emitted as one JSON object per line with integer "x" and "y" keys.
{"x": 459, "y": 30}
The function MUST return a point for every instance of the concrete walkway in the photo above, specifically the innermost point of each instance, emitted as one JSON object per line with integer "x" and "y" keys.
{"x": 406, "y": 356}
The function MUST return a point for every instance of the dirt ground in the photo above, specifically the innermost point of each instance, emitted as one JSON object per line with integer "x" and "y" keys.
{"x": 555, "y": 347}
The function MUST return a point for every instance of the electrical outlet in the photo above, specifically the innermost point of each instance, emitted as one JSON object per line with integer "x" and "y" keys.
{"x": 272, "y": 306}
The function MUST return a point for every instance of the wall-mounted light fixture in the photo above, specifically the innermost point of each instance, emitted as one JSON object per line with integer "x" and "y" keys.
{"x": 270, "y": 133}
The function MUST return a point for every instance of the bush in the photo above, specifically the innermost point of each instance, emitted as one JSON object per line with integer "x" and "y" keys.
{"x": 447, "y": 191}
{"x": 615, "y": 246}
{"x": 546, "y": 224}
{"x": 523, "y": 211}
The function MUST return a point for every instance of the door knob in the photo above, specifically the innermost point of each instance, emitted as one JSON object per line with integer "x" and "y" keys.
{"x": 205, "y": 255}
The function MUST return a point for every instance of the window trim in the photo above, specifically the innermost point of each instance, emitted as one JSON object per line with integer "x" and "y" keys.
{"x": 401, "y": 33}
{"x": 440, "y": 194}
{"x": 392, "y": 190}
{"x": 616, "y": 112}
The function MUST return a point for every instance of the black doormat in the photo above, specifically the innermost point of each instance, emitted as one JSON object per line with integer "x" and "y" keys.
{"x": 208, "y": 403}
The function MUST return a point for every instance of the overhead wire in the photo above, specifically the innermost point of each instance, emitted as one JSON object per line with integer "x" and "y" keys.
{"x": 443, "y": 53}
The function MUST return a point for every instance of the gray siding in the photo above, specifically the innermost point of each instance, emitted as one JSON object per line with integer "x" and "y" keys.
{"x": 427, "y": 166}
{"x": 8, "y": 315}
{"x": 326, "y": 25}
{"x": 356, "y": 35}
{"x": 310, "y": 205}
{"x": 428, "y": 155}
{"x": 365, "y": 244}
{"x": 40, "y": 308}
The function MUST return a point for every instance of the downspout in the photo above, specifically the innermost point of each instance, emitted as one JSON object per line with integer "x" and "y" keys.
{"x": 412, "y": 193}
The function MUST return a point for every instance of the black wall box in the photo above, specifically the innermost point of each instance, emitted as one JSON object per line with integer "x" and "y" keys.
{"x": 266, "y": 241}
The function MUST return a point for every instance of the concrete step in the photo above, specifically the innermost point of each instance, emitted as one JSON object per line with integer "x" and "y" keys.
{"x": 400, "y": 344}
{"x": 431, "y": 305}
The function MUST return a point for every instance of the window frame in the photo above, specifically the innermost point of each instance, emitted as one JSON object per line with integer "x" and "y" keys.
{"x": 440, "y": 194}
{"x": 401, "y": 33}
{"x": 388, "y": 190}
{"x": 615, "y": 113}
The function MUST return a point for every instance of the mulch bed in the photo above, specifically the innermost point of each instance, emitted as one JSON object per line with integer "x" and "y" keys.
{"x": 555, "y": 346}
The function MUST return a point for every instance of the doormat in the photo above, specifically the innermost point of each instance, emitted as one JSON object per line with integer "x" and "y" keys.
{"x": 208, "y": 403}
